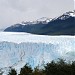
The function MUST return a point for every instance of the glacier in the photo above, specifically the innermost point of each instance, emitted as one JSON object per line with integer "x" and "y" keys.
{"x": 18, "y": 48}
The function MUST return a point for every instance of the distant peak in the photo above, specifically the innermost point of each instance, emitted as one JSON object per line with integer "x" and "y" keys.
{"x": 70, "y": 13}
{"x": 66, "y": 15}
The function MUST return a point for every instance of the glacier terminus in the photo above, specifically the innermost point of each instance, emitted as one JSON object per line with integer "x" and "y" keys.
{"x": 18, "y": 48}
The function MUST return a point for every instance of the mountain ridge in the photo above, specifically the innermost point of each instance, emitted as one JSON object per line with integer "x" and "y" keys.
{"x": 62, "y": 25}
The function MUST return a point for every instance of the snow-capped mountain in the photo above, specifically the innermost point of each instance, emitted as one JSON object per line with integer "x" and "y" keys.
{"x": 17, "y": 49}
{"x": 70, "y": 13}
{"x": 62, "y": 25}
{"x": 66, "y": 15}
{"x": 43, "y": 20}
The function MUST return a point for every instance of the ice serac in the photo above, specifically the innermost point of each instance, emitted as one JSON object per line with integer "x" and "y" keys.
{"x": 13, "y": 54}
{"x": 33, "y": 53}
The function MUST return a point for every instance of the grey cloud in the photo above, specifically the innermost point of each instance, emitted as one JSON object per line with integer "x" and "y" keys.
{"x": 24, "y": 5}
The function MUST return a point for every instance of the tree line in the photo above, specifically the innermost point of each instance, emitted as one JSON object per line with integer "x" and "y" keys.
{"x": 60, "y": 67}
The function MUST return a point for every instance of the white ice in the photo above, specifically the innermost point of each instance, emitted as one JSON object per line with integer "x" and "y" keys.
{"x": 16, "y": 49}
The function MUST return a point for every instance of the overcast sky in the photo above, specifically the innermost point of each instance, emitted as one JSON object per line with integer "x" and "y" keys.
{"x": 16, "y": 11}
{"x": 74, "y": 4}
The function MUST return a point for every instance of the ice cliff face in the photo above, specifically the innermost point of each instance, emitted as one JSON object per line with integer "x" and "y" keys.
{"x": 16, "y": 49}
{"x": 32, "y": 53}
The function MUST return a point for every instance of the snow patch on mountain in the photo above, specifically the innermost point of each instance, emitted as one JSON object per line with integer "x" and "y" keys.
{"x": 43, "y": 20}
{"x": 65, "y": 15}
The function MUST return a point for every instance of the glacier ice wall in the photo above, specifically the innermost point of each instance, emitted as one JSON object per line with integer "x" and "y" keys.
{"x": 32, "y": 53}
{"x": 16, "y": 49}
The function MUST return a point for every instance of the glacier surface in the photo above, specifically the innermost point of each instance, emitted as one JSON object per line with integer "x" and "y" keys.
{"x": 17, "y": 49}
